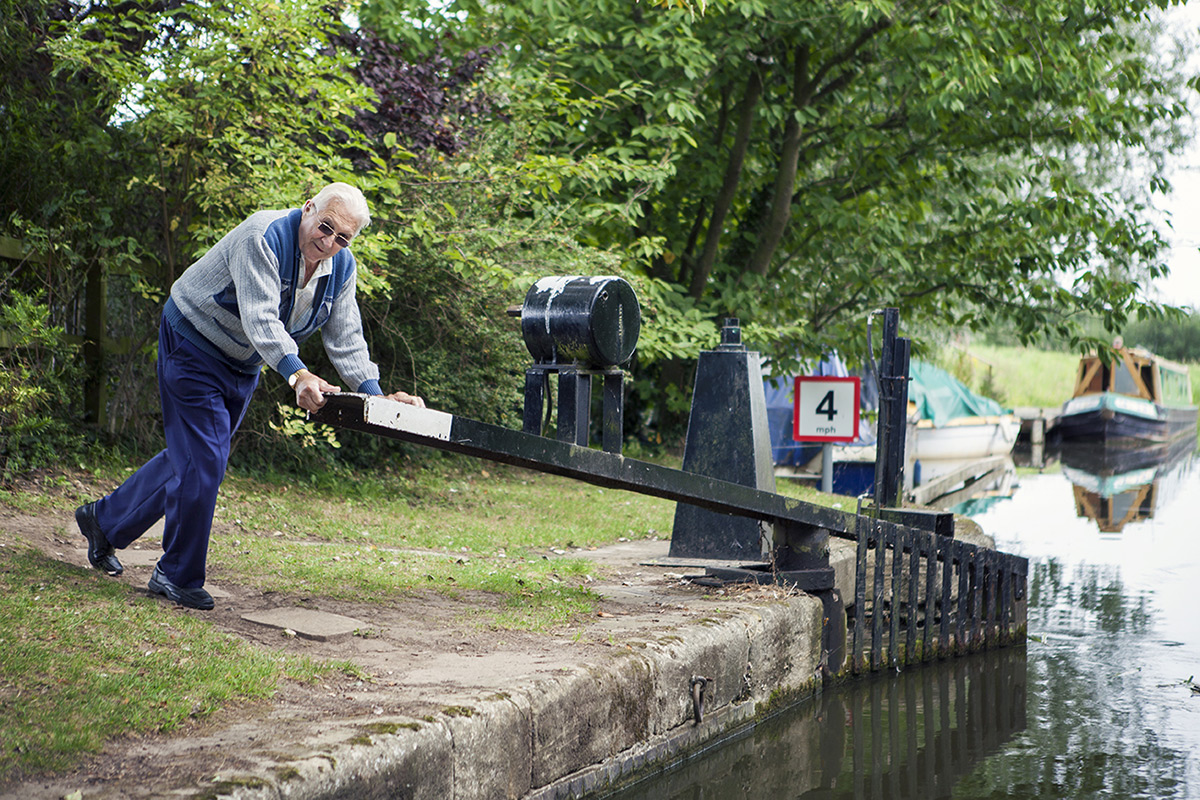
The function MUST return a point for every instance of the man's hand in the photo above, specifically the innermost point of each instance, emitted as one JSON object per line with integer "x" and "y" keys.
{"x": 405, "y": 397}
{"x": 309, "y": 389}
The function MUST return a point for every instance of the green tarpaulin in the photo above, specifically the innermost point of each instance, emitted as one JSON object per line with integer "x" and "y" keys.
{"x": 941, "y": 397}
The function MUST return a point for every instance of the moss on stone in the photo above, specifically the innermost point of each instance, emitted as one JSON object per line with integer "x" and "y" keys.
{"x": 285, "y": 774}
{"x": 229, "y": 786}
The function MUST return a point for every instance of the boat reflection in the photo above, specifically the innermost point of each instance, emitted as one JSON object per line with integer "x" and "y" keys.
{"x": 1117, "y": 486}
{"x": 907, "y": 735}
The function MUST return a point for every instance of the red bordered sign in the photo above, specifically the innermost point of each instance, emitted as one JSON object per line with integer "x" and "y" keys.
{"x": 826, "y": 409}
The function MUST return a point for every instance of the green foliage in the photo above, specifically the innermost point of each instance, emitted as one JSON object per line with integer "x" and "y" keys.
{"x": 798, "y": 165}
{"x": 294, "y": 423}
{"x": 1176, "y": 337}
{"x": 795, "y": 165}
{"x": 233, "y": 107}
{"x": 39, "y": 386}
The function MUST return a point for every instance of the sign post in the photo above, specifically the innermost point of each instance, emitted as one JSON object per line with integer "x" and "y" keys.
{"x": 826, "y": 410}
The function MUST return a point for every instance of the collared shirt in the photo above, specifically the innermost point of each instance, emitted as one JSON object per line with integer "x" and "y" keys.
{"x": 305, "y": 293}
{"x": 227, "y": 303}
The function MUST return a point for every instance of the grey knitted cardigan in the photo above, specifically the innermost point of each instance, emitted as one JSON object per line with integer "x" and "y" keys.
{"x": 235, "y": 302}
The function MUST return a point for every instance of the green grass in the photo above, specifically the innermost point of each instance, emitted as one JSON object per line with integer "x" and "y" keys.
{"x": 534, "y": 592}
{"x": 82, "y": 660}
{"x": 453, "y": 530}
{"x": 482, "y": 509}
{"x": 1022, "y": 377}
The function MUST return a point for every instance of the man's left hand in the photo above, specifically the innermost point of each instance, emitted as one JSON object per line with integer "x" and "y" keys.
{"x": 405, "y": 397}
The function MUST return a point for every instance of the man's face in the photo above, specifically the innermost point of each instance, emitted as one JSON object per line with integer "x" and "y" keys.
{"x": 317, "y": 245}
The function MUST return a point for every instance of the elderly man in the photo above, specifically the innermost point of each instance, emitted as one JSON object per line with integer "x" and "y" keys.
{"x": 268, "y": 285}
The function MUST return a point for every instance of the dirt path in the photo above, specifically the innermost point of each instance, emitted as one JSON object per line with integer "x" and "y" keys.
{"x": 423, "y": 656}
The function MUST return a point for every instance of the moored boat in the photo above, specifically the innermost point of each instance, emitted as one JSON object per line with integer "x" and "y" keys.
{"x": 1136, "y": 398}
{"x": 955, "y": 423}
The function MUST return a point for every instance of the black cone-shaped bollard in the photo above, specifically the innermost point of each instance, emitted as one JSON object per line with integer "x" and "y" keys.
{"x": 727, "y": 438}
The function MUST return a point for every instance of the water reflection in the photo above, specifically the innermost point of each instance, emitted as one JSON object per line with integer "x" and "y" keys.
{"x": 1089, "y": 597}
{"x": 951, "y": 483}
{"x": 1116, "y": 486}
{"x": 1099, "y": 719}
{"x": 1099, "y": 704}
{"x": 908, "y": 735}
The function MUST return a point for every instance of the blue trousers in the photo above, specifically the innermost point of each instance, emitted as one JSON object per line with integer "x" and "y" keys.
{"x": 203, "y": 402}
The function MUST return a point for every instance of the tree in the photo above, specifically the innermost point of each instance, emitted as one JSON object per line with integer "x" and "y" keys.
{"x": 819, "y": 160}
{"x": 175, "y": 120}
{"x": 136, "y": 134}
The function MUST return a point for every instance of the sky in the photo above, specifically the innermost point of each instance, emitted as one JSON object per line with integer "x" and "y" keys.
{"x": 1182, "y": 287}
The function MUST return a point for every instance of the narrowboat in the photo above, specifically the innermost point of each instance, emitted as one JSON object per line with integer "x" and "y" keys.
{"x": 1136, "y": 398}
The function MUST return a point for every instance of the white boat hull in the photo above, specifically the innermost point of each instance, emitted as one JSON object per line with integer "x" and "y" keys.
{"x": 968, "y": 437}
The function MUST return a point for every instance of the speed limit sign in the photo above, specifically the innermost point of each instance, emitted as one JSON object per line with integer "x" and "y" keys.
{"x": 826, "y": 409}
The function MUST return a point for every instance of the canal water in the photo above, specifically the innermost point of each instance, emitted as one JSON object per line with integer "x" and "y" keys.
{"x": 1103, "y": 701}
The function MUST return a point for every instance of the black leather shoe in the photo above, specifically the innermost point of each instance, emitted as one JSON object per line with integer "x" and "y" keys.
{"x": 192, "y": 598}
{"x": 100, "y": 550}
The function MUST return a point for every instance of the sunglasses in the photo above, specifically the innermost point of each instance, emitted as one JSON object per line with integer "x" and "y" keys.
{"x": 327, "y": 230}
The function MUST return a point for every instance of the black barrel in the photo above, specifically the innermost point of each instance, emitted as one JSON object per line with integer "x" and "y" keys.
{"x": 592, "y": 321}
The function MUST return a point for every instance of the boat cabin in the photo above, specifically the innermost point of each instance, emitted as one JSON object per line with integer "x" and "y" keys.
{"x": 1138, "y": 373}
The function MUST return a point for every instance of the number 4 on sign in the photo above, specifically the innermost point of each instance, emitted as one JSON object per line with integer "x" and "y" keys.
{"x": 827, "y": 406}
{"x": 826, "y": 409}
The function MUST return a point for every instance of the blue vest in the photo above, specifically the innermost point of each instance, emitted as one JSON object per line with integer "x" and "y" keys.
{"x": 282, "y": 237}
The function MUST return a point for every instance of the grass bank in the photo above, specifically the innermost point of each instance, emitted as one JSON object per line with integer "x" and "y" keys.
{"x": 82, "y": 659}
{"x": 82, "y": 662}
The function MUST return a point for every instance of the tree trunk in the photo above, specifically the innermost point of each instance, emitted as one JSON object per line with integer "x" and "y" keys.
{"x": 771, "y": 231}
{"x": 733, "y": 174}
{"x": 804, "y": 93}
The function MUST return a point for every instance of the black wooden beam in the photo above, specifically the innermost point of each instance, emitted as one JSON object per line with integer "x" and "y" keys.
{"x": 390, "y": 418}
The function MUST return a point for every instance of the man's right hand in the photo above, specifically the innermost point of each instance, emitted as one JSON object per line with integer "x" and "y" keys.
{"x": 310, "y": 390}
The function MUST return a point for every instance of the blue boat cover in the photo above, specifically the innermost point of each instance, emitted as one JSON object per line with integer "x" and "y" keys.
{"x": 779, "y": 391}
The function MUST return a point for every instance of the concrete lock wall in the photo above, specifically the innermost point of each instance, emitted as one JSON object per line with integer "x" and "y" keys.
{"x": 584, "y": 729}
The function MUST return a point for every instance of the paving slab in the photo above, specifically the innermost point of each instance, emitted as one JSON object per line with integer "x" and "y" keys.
{"x": 320, "y": 626}
{"x": 128, "y": 558}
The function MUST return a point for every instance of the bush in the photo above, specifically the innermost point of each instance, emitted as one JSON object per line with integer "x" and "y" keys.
{"x": 40, "y": 384}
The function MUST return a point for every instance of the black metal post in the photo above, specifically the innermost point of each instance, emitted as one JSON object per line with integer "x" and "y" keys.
{"x": 614, "y": 412}
{"x": 893, "y": 412}
{"x": 574, "y": 405}
{"x": 536, "y": 380}
{"x": 894, "y": 476}
{"x": 885, "y": 426}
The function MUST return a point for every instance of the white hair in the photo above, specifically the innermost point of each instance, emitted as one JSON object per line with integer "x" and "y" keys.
{"x": 349, "y": 198}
